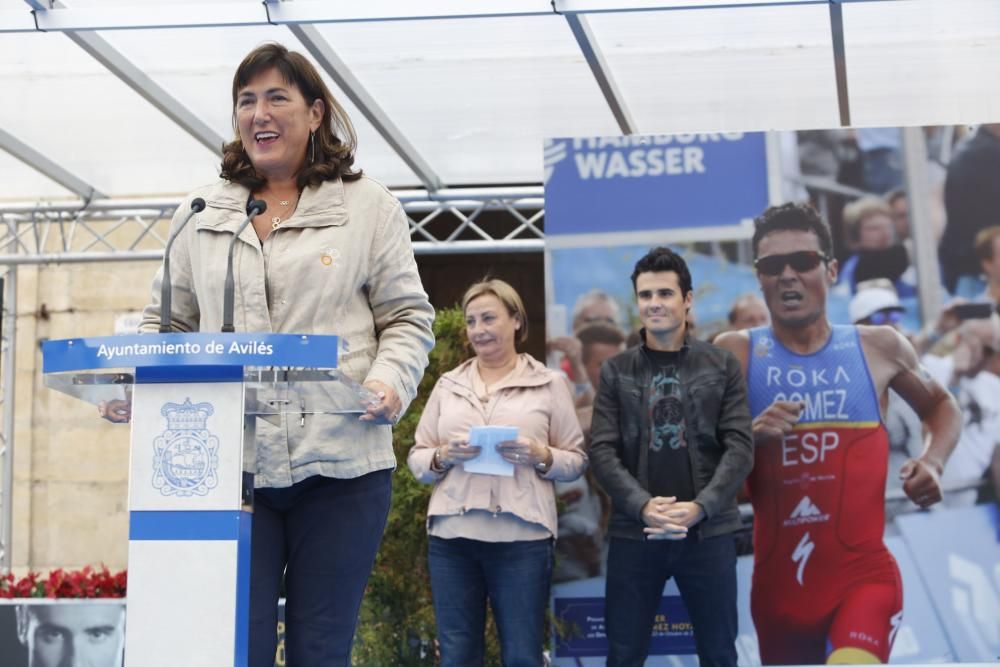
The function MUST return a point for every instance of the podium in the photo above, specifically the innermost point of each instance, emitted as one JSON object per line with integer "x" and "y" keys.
{"x": 195, "y": 403}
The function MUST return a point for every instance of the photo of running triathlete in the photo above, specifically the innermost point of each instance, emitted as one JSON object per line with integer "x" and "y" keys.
{"x": 825, "y": 587}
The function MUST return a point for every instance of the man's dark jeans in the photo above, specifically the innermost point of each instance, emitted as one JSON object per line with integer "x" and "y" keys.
{"x": 705, "y": 571}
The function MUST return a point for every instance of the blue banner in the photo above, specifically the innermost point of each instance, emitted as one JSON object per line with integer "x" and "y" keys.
{"x": 643, "y": 183}
{"x": 958, "y": 555}
{"x": 194, "y": 349}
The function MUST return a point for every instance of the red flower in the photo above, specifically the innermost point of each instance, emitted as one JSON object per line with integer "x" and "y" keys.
{"x": 85, "y": 583}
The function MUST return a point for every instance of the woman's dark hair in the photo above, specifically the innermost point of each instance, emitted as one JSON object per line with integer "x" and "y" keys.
{"x": 333, "y": 155}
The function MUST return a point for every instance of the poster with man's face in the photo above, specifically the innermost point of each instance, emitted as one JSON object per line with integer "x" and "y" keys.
{"x": 75, "y": 633}
{"x": 63, "y": 634}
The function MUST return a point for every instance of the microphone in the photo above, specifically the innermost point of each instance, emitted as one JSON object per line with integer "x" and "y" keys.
{"x": 255, "y": 208}
{"x": 197, "y": 206}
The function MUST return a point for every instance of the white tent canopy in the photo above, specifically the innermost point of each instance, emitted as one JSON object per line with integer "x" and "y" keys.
{"x": 106, "y": 102}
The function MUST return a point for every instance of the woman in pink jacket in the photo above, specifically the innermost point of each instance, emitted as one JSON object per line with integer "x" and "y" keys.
{"x": 491, "y": 535}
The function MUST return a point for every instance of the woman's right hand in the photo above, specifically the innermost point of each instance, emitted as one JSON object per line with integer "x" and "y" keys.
{"x": 117, "y": 411}
{"x": 455, "y": 451}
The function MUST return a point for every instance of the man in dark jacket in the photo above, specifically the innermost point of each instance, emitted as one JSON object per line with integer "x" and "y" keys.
{"x": 671, "y": 445}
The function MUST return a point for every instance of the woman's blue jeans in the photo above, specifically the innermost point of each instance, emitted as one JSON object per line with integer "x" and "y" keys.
{"x": 514, "y": 576}
{"x": 326, "y": 532}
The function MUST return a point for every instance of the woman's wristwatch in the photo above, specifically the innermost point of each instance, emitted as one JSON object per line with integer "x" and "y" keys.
{"x": 542, "y": 467}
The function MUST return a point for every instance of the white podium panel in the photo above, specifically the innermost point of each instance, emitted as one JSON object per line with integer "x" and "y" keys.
{"x": 188, "y": 538}
{"x": 164, "y": 628}
{"x": 187, "y": 445}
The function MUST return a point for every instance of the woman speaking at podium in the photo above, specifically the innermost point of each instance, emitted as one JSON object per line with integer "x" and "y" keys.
{"x": 332, "y": 255}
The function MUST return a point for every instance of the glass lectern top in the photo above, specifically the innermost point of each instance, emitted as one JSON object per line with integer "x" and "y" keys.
{"x": 268, "y": 391}
{"x": 282, "y": 373}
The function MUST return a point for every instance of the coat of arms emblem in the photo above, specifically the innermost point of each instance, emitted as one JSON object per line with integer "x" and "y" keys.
{"x": 186, "y": 455}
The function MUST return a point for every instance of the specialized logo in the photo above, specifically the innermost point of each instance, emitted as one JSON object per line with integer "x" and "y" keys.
{"x": 801, "y": 556}
{"x": 186, "y": 455}
{"x": 806, "y": 512}
{"x": 555, "y": 152}
{"x": 894, "y": 622}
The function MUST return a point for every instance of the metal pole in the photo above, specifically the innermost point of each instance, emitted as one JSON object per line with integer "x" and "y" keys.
{"x": 775, "y": 170}
{"x": 82, "y": 257}
{"x": 921, "y": 231}
{"x": 9, "y": 363}
{"x": 840, "y": 61}
{"x": 478, "y": 247}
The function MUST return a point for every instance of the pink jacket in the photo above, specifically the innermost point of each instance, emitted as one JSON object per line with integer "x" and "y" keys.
{"x": 539, "y": 404}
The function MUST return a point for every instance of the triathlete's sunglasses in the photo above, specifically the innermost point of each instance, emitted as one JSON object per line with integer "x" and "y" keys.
{"x": 886, "y": 317}
{"x": 801, "y": 261}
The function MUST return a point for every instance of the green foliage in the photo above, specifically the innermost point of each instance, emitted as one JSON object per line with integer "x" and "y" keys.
{"x": 396, "y": 626}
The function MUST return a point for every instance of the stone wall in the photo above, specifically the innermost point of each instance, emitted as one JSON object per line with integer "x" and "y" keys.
{"x": 70, "y": 467}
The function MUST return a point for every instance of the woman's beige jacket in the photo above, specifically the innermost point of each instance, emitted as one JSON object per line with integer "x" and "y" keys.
{"x": 342, "y": 264}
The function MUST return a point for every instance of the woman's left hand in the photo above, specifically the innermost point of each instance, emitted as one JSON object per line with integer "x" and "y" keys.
{"x": 525, "y": 451}
{"x": 388, "y": 407}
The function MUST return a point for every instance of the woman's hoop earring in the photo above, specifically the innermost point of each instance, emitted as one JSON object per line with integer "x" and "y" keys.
{"x": 312, "y": 147}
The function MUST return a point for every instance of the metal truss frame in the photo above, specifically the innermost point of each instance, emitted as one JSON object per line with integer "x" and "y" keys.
{"x": 487, "y": 220}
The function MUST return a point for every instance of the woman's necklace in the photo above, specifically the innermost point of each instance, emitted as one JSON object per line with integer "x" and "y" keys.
{"x": 496, "y": 375}
{"x": 287, "y": 204}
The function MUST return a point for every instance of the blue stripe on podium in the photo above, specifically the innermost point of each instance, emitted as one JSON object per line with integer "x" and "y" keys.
{"x": 242, "y": 648}
{"x": 186, "y": 525}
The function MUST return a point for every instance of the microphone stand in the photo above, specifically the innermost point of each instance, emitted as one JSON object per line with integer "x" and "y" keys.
{"x": 256, "y": 207}
{"x": 166, "y": 289}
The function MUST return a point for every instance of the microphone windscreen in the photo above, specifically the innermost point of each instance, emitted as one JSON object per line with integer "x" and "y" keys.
{"x": 197, "y": 204}
{"x": 259, "y": 204}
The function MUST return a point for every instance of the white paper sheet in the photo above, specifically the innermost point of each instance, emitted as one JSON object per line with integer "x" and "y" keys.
{"x": 489, "y": 461}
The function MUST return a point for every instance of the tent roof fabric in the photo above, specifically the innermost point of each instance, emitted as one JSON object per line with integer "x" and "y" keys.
{"x": 127, "y": 98}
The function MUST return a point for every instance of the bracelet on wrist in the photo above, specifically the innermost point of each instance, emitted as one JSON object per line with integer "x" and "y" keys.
{"x": 440, "y": 465}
